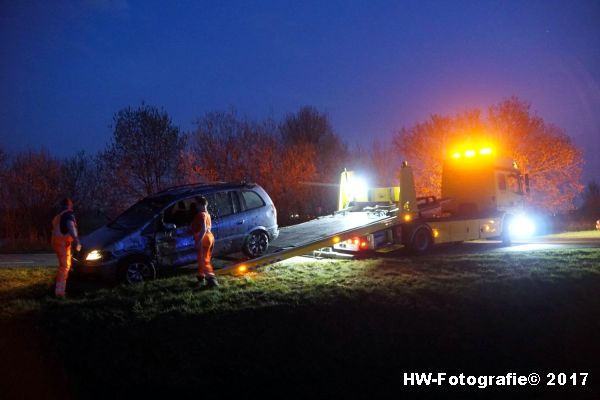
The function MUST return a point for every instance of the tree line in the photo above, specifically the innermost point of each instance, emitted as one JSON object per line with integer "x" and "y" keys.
{"x": 297, "y": 160}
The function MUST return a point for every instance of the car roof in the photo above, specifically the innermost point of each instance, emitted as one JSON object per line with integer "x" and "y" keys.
{"x": 177, "y": 192}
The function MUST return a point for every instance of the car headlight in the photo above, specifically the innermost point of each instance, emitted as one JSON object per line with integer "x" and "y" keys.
{"x": 521, "y": 226}
{"x": 93, "y": 255}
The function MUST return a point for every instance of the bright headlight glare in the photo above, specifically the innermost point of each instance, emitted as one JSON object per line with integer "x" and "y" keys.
{"x": 358, "y": 189}
{"x": 93, "y": 255}
{"x": 522, "y": 226}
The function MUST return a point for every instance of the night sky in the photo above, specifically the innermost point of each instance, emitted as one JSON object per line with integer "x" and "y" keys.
{"x": 373, "y": 66}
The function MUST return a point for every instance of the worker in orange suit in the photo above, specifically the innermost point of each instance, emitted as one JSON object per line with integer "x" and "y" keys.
{"x": 64, "y": 233}
{"x": 204, "y": 240}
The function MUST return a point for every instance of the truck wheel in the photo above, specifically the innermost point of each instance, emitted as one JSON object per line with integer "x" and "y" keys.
{"x": 505, "y": 237}
{"x": 136, "y": 271}
{"x": 256, "y": 244}
{"x": 421, "y": 241}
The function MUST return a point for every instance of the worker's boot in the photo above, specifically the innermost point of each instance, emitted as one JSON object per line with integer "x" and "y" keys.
{"x": 201, "y": 282}
{"x": 211, "y": 282}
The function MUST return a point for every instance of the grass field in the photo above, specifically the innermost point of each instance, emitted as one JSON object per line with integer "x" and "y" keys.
{"x": 577, "y": 235}
{"x": 337, "y": 327}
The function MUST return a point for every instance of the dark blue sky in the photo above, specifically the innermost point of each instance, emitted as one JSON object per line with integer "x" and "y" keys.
{"x": 373, "y": 66}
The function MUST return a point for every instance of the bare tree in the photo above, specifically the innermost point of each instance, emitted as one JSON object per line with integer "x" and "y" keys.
{"x": 590, "y": 208}
{"x": 79, "y": 180}
{"x": 32, "y": 184}
{"x": 144, "y": 153}
{"x": 379, "y": 162}
{"x": 540, "y": 149}
{"x": 424, "y": 146}
{"x": 4, "y": 194}
{"x": 310, "y": 127}
{"x": 225, "y": 147}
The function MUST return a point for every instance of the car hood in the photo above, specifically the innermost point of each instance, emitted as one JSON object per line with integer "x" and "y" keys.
{"x": 102, "y": 237}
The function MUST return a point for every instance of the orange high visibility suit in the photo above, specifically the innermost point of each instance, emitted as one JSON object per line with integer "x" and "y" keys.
{"x": 204, "y": 244}
{"x": 62, "y": 237}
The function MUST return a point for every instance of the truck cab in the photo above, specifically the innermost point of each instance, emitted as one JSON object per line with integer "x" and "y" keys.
{"x": 477, "y": 183}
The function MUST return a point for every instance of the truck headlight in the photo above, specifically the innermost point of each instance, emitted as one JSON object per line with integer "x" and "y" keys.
{"x": 93, "y": 255}
{"x": 521, "y": 226}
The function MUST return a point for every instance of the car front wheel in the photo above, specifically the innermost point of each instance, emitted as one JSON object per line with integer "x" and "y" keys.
{"x": 137, "y": 271}
{"x": 256, "y": 244}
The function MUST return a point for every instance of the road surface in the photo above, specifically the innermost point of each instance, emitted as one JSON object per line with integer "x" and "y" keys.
{"x": 541, "y": 243}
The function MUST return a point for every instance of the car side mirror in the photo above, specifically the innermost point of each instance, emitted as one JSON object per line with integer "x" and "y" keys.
{"x": 169, "y": 227}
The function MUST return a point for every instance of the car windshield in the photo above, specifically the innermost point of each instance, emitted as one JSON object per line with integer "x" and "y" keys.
{"x": 138, "y": 214}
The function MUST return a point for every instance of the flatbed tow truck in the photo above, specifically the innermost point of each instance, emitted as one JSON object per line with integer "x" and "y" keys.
{"x": 482, "y": 198}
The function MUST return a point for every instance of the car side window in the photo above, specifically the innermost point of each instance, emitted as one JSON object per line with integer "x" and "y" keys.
{"x": 237, "y": 207}
{"x": 181, "y": 213}
{"x": 212, "y": 210}
{"x": 252, "y": 200}
{"x": 222, "y": 204}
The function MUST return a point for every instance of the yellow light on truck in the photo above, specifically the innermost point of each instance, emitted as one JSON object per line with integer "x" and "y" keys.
{"x": 407, "y": 217}
{"x": 242, "y": 269}
{"x": 456, "y": 155}
{"x": 485, "y": 151}
{"x": 469, "y": 153}
{"x": 336, "y": 239}
{"x": 436, "y": 233}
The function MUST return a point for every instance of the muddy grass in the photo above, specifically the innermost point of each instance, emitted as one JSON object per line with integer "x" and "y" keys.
{"x": 326, "y": 327}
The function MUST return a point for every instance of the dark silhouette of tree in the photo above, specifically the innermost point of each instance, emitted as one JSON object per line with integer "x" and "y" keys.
{"x": 4, "y": 193}
{"x": 312, "y": 128}
{"x": 226, "y": 148}
{"x": 378, "y": 163}
{"x": 423, "y": 146}
{"x": 542, "y": 150}
{"x": 3, "y": 159}
{"x": 31, "y": 193}
{"x": 590, "y": 208}
{"x": 144, "y": 153}
{"x": 79, "y": 180}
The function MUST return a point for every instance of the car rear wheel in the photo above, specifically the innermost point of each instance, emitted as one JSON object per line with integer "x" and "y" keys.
{"x": 256, "y": 244}
{"x": 137, "y": 271}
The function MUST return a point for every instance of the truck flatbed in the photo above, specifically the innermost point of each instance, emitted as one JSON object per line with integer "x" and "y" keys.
{"x": 312, "y": 235}
{"x": 321, "y": 228}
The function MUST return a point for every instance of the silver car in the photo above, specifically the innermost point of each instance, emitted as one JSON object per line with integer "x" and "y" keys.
{"x": 156, "y": 232}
